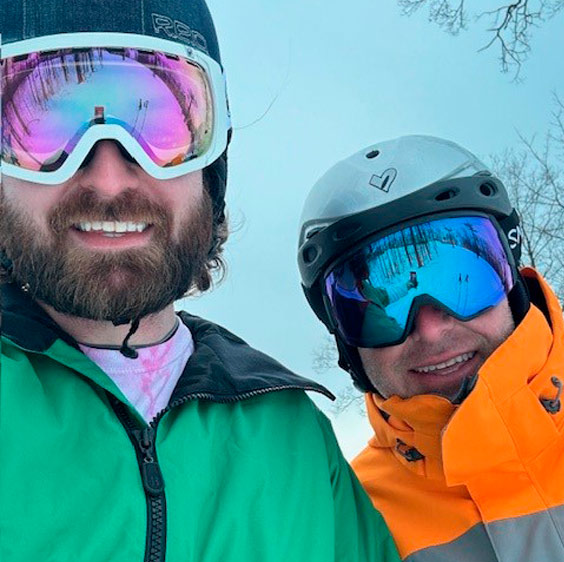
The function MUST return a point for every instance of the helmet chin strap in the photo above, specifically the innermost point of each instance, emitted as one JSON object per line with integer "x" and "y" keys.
{"x": 350, "y": 361}
{"x": 466, "y": 387}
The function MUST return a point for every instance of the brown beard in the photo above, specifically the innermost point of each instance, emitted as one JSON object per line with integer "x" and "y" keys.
{"x": 118, "y": 286}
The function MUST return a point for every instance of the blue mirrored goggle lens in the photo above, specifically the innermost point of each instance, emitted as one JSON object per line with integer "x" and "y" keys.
{"x": 458, "y": 263}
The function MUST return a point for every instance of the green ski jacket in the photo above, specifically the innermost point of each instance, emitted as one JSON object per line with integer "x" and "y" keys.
{"x": 240, "y": 467}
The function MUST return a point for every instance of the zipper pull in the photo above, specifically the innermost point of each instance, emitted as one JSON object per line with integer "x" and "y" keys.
{"x": 151, "y": 474}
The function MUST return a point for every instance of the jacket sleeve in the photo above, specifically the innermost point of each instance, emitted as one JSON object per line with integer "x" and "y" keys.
{"x": 361, "y": 535}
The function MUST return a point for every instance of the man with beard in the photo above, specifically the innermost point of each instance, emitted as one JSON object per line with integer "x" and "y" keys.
{"x": 463, "y": 372}
{"x": 127, "y": 431}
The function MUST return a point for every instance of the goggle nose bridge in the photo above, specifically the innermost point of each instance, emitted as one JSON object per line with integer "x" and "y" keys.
{"x": 427, "y": 300}
{"x": 122, "y": 149}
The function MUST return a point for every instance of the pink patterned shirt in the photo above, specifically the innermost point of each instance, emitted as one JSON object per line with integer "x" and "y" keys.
{"x": 148, "y": 381}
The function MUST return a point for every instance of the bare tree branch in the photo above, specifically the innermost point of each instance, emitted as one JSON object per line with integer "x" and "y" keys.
{"x": 349, "y": 397}
{"x": 325, "y": 356}
{"x": 534, "y": 176}
{"x": 451, "y": 17}
{"x": 510, "y": 25}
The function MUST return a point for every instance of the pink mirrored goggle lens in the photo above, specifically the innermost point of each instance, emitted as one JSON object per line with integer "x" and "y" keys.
{"x": 50, "y": 99}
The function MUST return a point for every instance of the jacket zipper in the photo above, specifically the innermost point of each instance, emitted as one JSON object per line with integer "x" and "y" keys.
{"x": 143, "y": 440}
{"x": 235, "y": 398}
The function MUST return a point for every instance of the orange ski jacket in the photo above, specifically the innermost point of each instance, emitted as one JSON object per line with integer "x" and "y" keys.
{"x": 483, "y": 481}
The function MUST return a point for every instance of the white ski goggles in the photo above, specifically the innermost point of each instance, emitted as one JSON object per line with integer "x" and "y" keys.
{"x": 164, "y": 102}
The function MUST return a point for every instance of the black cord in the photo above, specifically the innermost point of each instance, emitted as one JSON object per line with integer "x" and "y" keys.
{"x": 125, "y": 348}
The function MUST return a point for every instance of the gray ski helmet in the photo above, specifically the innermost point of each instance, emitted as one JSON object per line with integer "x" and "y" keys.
{"x": 382, "y": 186}
{"x": 186, "y": 21}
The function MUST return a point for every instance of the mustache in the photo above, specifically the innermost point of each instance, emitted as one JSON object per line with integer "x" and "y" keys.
{"x": 129, "y": 205}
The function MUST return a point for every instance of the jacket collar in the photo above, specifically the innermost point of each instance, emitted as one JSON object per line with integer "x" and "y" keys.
{"x": 222, "y": 368}
{"x": 527, "y": 359}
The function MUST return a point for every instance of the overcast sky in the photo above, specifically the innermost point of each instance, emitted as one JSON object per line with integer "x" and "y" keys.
{"x": 341, "y": 76}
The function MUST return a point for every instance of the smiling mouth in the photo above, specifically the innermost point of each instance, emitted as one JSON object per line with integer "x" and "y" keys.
{"x": 455, "y": 361}
{"x": 111, "y": 229}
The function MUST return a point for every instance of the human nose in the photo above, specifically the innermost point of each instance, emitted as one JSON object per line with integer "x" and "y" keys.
{"x": 109, "y": 169}
{"x": 431, "y": 323}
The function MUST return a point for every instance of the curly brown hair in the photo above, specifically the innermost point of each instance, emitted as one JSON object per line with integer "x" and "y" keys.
{"x": 215, "y": 268}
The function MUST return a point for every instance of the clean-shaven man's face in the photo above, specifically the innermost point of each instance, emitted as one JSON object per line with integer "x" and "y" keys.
{"x": 439, "y": 354}
{"x": 110, "y": 242}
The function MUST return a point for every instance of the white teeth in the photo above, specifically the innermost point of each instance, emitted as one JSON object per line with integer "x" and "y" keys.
{"x": 111, "y": 227}
{"x": 460, "y": 359}
{"x": 84, "y": 226}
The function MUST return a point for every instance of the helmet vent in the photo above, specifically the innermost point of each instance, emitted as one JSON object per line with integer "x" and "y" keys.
{"x": 310, "y": 254}
{"x": 312, "y": 232}
{"x": 488, "y": 189}
{"x": 446, "y": 195}
{"x": 373, "y": 154}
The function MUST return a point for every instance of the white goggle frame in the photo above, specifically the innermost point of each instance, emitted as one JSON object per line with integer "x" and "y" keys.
{"x": 213, "y": 71}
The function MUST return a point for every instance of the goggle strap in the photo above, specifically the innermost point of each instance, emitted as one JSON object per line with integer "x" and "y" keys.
{"x": 512, "y": 229}
{"x": 520, "y": 301}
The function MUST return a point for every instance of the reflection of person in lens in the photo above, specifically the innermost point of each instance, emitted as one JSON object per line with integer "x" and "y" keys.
{"x": 376, "y": 318}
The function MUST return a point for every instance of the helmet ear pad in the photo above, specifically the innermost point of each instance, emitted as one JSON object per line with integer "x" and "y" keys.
{"x": 350, "y": 361}
{"x": 315, "y": 299}
{"x": 349, "y": 358}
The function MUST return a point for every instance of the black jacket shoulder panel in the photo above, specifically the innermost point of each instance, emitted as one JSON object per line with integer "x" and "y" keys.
{"x": 226, "y": 366}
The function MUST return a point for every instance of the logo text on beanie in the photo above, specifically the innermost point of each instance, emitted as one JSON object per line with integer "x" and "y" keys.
{"x": 180, "y": 31}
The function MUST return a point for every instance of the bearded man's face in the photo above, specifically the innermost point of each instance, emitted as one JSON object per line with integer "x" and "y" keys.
{"x": 60, "y": 240}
